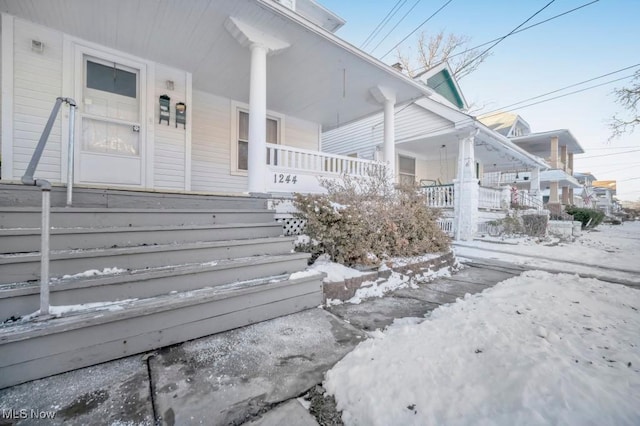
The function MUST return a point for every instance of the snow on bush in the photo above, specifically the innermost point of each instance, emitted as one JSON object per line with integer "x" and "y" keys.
{"x": 365, "y": 221}
{"x": 535, "y": 349}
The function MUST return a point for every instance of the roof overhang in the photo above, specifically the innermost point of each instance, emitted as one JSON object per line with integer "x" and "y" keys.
{"x": 560, "y": 176}
{"x": 540, "y": 142}
{"x": 319, "y": 77}
{"x": 503, "y": 144}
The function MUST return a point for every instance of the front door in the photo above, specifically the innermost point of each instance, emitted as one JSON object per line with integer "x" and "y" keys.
{"x": 110, "y": 143}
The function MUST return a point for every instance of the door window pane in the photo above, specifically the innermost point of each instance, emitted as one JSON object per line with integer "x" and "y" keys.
{"x": 109, "y": 138}
{"x": 111, "y": 79}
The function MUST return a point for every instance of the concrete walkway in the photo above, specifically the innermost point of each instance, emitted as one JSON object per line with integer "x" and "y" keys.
{"x": 250, "y": 375}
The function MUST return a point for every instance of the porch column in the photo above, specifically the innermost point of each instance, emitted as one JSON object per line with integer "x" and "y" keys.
{"x": 565, "y": 195}
{"x": 570, "y": 165}
{"x": 534, "y": 184}
{"x": 466, "y": 190}
{"x": 563, "y": 157}
{"x": 389, "y": 143}
{"x": 387, "y": 97}
{"x": 553, "y": 193}
{"x": 554, "y": 152}
{"x": 571, "y": 202}
{"x": 257, "y": 164}
{"x": 260, "y": 44}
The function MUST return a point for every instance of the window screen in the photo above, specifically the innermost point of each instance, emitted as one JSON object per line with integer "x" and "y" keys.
{"x": 243, "y": 137}
{"x": 111, "y": 79}
{"x": 407, "y": 170}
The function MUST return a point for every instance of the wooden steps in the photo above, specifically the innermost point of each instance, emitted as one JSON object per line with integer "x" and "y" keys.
{"x": 36, "y": 349}
{"x": 127, "y": 280}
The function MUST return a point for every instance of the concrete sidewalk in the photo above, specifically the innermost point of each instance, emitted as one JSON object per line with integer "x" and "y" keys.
{"x": 252, "y": 374}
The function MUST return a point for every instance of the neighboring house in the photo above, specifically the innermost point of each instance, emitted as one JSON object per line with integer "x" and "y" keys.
{"x": 585, "y": 196}
{"x": 442, "y": 149}
{"x": 233, "y": 64}
{"x": 605, "y": 191}
{"x": 557, "y": 147}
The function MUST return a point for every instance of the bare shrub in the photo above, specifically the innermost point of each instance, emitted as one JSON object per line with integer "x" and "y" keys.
{"x": 363, "y": 221}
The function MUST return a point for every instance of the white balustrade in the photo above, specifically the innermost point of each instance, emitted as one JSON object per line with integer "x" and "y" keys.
{"x": 321, "y": 163}
{"x": 439, "y": 196}
{"x": 489, "y": 198}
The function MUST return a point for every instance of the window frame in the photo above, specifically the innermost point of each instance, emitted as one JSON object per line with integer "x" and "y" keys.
{"x": 402, "y": 174}
{"x": 236, "y": 108}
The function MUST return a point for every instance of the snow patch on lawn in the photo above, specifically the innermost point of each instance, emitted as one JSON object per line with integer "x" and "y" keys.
{"x": 540, "y": 348}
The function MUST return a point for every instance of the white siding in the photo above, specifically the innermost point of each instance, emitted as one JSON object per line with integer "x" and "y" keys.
{"x": 37, "y": 84}
{"x": 170, "y": 142}
{"x": 211, "y": 146}
{"x": 301, "y": 133}
{"x": 362, "y": 136}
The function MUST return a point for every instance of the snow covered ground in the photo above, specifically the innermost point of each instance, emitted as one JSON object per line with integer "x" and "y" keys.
{"x": 609, "y": 251}
{"x": 540, "y": 348}
{"x": 535, "y": 349}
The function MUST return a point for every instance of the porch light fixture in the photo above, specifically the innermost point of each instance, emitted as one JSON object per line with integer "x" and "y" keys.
{"x": 37, "y": 46}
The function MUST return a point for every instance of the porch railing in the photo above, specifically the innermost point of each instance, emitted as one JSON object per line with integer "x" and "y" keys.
{"x": 525, "y": 199}
{"x": 489, "y": 198}
{"x": 320, "y": 162}
{"x": 439, "y": 196}
{"x": 29, "y": 179}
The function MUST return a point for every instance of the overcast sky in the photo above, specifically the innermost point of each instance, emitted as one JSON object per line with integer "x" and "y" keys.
{"x": 595, "y": 40}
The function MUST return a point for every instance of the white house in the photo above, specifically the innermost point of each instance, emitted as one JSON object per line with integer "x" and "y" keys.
{"x": 233, "y": 64}
{"x": 444, "y": 150}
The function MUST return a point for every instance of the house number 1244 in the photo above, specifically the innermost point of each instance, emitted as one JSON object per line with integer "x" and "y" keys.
{"x": 282, "y": 178}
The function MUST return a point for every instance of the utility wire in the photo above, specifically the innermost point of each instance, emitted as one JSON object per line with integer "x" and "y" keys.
{"x": 484, "y": 52}
{"x": 416, "y": 28}
{"x": 395, "y": 26}
{"x": 501, "y": 110}
{"x": 382, "y": 23}
{"x": 608, "y": 155}
{"x": 515, "y": 32}
{"x": 572, "y": 85}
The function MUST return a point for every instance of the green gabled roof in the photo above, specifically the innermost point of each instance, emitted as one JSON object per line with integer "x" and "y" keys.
{"x": 443, "y": 83}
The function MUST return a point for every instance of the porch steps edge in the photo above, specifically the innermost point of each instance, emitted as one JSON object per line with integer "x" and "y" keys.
{"x": 41, "y": 349}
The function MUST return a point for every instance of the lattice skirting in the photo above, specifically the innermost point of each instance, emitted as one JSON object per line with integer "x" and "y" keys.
{"x": 292, "y": 225}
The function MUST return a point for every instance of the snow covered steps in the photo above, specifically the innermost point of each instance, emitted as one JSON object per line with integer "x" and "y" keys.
{"x": 72, "y": 217}
{"x": 35, "y": 349}
{"x": 22, "y": 298}
{"x": 168, "y": 275}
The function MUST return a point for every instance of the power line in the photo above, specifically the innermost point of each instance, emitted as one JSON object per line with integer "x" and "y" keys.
{"x": 608, "y": 155}
{"x": 614, "y": 147}
{"x": 469, "y": 62}
{"x": 625, "y": 180}
{"x": 500, "y": 110}
{"x": 515, "y": 32}
{"x": 382, "y": 23}
{"x": 572, "y": 85}
{"x": 416, "y": 28}
{"x": 396, "y": 25}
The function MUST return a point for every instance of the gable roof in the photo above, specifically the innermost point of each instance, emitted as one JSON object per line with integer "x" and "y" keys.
{"x": 501, "y": 122}
{"x": 440, "y": 78}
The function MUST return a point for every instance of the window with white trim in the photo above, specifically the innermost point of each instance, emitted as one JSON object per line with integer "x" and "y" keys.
{"x": 407, "y": 170}
{"x": 273, "y": 136}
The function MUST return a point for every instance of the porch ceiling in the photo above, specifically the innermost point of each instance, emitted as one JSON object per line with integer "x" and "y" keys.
{"x": 318, "y": 78}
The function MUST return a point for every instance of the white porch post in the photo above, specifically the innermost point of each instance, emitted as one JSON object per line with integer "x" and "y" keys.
{"x": 387, "y": 97}
{"x": 389, "y": 137}
{"x": 257, "y": 119}
{"x": 466, "y": 191}
{"x": 534, "y": 188}
{"x": 261, "y": 44}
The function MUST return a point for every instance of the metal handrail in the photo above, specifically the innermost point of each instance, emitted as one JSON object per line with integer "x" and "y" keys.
{"x": 45, "y": 186}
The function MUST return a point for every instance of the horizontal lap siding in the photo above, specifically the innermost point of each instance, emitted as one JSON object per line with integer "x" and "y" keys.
{"x": 362, "y": 136}
{"x": 170, "y": 142}
{"x": 210, "y": 146}
{"x": 301, "y": 133}
{"x": 37, "y": 83}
